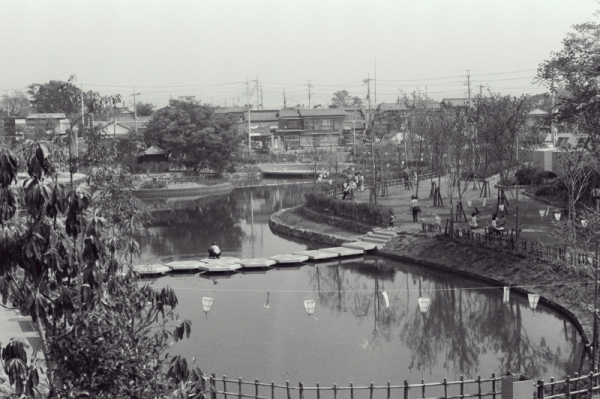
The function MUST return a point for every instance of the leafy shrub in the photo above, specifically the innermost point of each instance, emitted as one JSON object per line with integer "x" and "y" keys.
{"x": 528, "y": 175}
{"x": 362, "y": 212}
{"x": 543, "y": 191}
{"x": 153, "y": 184}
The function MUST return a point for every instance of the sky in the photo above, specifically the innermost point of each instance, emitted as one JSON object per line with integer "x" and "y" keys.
{"x": 211, "y": 49}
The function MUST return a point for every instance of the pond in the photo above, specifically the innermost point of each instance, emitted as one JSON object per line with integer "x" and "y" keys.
{"x": 367, "y": 326}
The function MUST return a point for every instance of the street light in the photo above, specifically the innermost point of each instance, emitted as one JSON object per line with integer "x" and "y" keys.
{"x": 533, "y": 300}
{"x": 309, "y": 305}
{"x": 424, "y": 304}
{"x": 506, "y": 297}
{"x": 556, "y": 215}
{"x": 206, "y": 303}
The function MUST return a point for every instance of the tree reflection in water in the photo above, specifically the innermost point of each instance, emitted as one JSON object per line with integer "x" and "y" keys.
{"x": 462, "y": 328}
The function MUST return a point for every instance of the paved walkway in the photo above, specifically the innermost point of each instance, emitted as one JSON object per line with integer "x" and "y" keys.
{"x": 534, "y": 227}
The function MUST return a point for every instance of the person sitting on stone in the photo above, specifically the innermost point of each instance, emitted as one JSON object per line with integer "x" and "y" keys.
{"x": 494, "y": 229}
{"x": 214, "y": 252}
{"x": 501, "y": 222}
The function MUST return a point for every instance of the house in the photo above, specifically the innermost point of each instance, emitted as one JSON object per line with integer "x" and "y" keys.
{"x": 322, "y": 127}
{"x": 51, "y": 122}
{"x": 154, "y": 154}
{"x": 238, "y": 112}
{"x": 263, "y": 125}
{"x": 456, "y": 102}
{"x": 289, "y": 130}
{"x": 120, "y": 127}
{"x": 13, "y": 124}
{"x": 355, "y": 123}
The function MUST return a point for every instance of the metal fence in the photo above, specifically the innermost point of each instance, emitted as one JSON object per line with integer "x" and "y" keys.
{"x": 578, "y": 387}
{"x": 407, "y": 183}
{"x": 507, "y": 240}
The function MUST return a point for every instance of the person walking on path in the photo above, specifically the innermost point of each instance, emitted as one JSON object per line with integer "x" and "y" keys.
{"x": 352, "y": 187}
{"x": 414, "y": 205}
{"x": 391, "y": 221}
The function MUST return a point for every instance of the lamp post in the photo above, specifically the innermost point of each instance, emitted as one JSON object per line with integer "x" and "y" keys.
{"x": 584, "y": 223}
{"x": 424, "y": 304}
{"x": 309, "y": 306}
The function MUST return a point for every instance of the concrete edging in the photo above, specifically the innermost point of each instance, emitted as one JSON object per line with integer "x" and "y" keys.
{"x": 223, "y": 188}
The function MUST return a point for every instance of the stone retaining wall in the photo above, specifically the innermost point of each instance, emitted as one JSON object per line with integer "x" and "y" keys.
{"x": 277, "y": 225}
{"x": 217, "y": 189}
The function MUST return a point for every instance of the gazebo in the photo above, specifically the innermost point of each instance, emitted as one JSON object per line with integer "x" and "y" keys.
{"x": 154, "y": 154}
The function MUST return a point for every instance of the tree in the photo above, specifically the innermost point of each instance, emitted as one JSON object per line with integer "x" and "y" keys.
{"x": 342, "y": 99}
{"x": 194, "y": 136}
{"x": 144, "y": 109}
{"x": 16, "y": 104}
{"x": 575, "y": 70}
{"x": 56, "y": 96}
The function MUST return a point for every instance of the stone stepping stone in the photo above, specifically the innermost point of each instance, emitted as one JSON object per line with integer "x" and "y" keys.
{"x": 221, "y": 259}
{"x": 343, "y": 251}
{"x": 375, "y": 240}
{"x": 317, "y": 254}
{"x": 151, "y": 269}
{"x": 388, "y": 233}
{"x": 365, "y": 246}
{"x": 256, "y": 263}
{"x": 291, "y": 258}
{"x": 216, "y": 267}
{"x": 182, "y": 265}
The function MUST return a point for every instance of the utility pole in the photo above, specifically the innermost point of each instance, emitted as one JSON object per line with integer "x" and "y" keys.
{"x": 257, "y": 94}
{"x": 552, "y": 102}
{"x": 284, "y": 102}
{"x": 249, "y": 116}
{"x": 135, "y": 109}
{"x": 481, "y": 89}
{"x": 262, "y": 104}
{"x": 375, "y": 81}
{"x": 309, "y": 86}
{"x": 468, "y": 84}
{"x": 373, "y": 193}
{"x": 7, "y": 104}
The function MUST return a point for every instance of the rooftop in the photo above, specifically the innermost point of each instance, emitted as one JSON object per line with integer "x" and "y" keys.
{"x": 54, "y": 115}
{"x": 230, "y": 110}
{"x": 538, "y": 112}
{"x": 322, "y": 112}
{"x": 264, "y": 115}
{"x": 155, "y": 151}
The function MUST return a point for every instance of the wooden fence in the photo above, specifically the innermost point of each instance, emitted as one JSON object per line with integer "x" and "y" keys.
{"x": 578, "y": 387}
{"x": 407, "y": 183}
{"x": 507, "y": 240}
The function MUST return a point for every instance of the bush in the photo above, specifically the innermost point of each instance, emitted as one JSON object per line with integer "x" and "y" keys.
{"x": 362, "y": 212}
{"x": 153, "y": 184}
{"x": 543, "y": 191}
{"x": 528, "y": 175}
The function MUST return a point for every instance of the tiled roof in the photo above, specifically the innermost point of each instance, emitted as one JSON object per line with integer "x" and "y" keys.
{"x": 263, "y": 116}
{"x": 55, "y": 115}
{"x": 230, "y": 110}
{"x": 538, "y": 112}
{"x": 289, "y": 113}
{"x": 155, "y": 151}
{"x": 456, "y": 101}
{"x": 322, "y": 112}
{"x": 129, "y": 124}
{"x": 401, "y": 106}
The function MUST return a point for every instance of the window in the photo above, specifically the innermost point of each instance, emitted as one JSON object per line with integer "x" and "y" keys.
{"x": 326, "y": 124}
{"x": 291, "y": 138}
{"x": 291, "y": 124}
{"x": 309, "y": 124}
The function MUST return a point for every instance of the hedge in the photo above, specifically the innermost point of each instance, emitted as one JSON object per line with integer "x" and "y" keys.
{"x": 359, "y": 211}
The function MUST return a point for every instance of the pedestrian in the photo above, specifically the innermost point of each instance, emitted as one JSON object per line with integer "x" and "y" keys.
{"x": 474, "y": 221}
{"x": 345, "y": 189}
{"x": 214, "y": 252}
{"x": 414, "y": 205}
{"x": 391, "y": 221}
{"x": 362, "y": 182}
{"x": 352, "y": 188}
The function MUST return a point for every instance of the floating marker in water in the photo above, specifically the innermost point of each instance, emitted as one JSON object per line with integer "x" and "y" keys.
{"x": 423, "y": 304}
{"x": 506, "y": 297}
{"x": 533, "y": 300}
{"x": 386, "y": 299}
{"x": 309, "y": 305}
{"x": 267, "y": 303}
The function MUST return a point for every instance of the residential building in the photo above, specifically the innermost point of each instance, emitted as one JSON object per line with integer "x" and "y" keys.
{"x": 322, "y": 127}
{"x": 13, "y": 124}
{"x": 121, "y": 127}
{"x": 187, "y": 98}
{"x": 355, "y": 123}
{"x": 263, "y": 126}
{"x": 456, "y": 102}
{"x": 50, "y": 122}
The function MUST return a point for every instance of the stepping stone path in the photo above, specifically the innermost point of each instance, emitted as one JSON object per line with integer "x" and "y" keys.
{"x": 151, "y": 269}
{"x": 317, "y": 254}
{"x": 343, "y": 251}
{"x": 292, "y": 258}
{"x": 183, "y": 265}
{"x": 256, "y": 263}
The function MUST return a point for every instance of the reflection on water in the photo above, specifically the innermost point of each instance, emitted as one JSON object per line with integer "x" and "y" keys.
{"x": 355, "y": 336}
{"x": 258, "y": 328}
{"x": 238, "y": 222}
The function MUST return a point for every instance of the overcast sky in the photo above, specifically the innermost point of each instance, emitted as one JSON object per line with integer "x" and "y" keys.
{"x": 209, "y": 48}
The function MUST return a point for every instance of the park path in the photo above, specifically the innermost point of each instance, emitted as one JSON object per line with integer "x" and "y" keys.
{"x": 534, "y": 227}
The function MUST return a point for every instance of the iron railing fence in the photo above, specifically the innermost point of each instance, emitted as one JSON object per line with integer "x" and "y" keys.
{"x": 408, "y": 183}
{"x": 507, "y": 239}
{"x": 578, "y": 387}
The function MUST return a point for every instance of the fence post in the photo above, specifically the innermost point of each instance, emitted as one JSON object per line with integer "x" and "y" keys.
{"x": 576, "y": 385}
{"x": 552, "y": 386}
{"x": 351, "y": 390}
{"x": 287, "y": 387}
{"x": 540, "y": 389}
{"x": 334, "y": 391}
{"x": 318, "y": 392}
{"x": 423, "y": 388}
{"x": 389, "y": 390}
{"x": 568, "y": 381}
{"x": 272, "y": 390}
{"x": 445, "y": 388}
{"x": 213, "y": 386}
{"x": 240, "y": 388}
{"x": 405, "y": 389}
{"x": 371, "y": 393}
{"x": 462, "y": 386}
{"x": 225, "y": 386}
{"x": 493, "y": 385}
{"x": 301, "y": 391}
{"x": 255, "y": 388}
{"x": 479, "y": 386}
{"x": 591, "y": 376}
